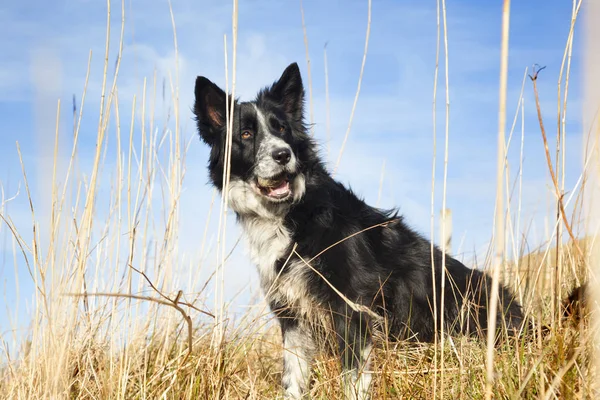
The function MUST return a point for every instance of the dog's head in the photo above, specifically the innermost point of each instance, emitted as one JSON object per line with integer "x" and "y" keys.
{"x": 269, "y": 146}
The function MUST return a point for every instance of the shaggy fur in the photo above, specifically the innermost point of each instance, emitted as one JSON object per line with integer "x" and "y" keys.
{"x": 291, "y": 210}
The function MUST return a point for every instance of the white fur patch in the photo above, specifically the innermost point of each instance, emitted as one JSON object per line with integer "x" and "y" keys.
{"x": 298, "y": 350}
{"x": 268, "y": 240}
{"x": 357, "y": 382}
{"x": 262, "y": 122}
{"x": 298, "y": 187}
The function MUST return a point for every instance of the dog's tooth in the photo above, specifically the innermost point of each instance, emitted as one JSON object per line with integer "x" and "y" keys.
{"x": 269, "y": 183}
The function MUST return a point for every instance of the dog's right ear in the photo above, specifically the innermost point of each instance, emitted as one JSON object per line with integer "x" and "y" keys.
{"x": 209, "y": 109}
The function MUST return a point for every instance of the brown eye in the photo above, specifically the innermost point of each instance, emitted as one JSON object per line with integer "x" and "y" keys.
{"x": 246, "y": 134}
{"x": 277, "y": 126}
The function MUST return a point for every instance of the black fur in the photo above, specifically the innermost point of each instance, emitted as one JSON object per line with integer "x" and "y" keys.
{"x": 575, "y": 305}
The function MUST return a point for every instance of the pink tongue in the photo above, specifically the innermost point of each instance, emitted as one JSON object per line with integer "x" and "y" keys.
{"x": 281, "y": 189}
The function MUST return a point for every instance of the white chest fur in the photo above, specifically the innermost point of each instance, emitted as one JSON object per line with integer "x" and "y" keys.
{"x": 268, "y": 240}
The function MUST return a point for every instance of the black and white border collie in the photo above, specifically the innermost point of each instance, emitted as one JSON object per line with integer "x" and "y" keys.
{"x": 322, "y": 253}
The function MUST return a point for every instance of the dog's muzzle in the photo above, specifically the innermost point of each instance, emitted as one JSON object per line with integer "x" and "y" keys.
{"x": 276, "y": 188}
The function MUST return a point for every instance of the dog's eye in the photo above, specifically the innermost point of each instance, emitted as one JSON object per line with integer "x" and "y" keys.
{"x": 246, "y": 134}
{"x": 277, "y": 126}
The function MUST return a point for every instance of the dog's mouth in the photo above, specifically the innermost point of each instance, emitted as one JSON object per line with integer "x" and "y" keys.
{"x": 275, "y": 188}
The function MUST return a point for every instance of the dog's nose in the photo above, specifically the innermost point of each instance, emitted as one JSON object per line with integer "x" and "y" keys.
{"x": 282, "y": 155}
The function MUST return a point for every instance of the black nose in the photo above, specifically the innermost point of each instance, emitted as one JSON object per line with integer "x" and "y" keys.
{"x": 282, "y": 155}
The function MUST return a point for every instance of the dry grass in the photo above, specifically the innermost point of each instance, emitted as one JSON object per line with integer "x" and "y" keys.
{"x": 157, "y": 367}
{"x": 112, "y": 320}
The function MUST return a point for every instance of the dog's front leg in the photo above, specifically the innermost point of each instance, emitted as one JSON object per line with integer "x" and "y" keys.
{"x": 355, "y": 343}
{"x": 298, "y": 352}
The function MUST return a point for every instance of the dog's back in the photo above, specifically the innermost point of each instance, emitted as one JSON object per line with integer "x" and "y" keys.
{"x": 388, "y": 267}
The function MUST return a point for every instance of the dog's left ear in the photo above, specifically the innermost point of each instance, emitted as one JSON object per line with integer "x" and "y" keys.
{"x": 289, "y": 91}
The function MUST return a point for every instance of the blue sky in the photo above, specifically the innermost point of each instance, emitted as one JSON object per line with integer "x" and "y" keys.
{"x": 46, "y": 60}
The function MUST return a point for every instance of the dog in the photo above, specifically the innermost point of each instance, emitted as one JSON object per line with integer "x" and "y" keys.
{"x": 322, "y": 253}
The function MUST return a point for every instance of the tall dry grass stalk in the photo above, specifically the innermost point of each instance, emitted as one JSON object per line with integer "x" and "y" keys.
{"x": 360, "y": 77}
{"x": 311, "y": 112}
{"x": 327, "y": 105}
{"x": 591, "y": 128}
{"x": 432, "y": 222}
{"x": 444, "y": 189}
{"x": 498, "y": 244}
{"x": 561, "y": 154}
